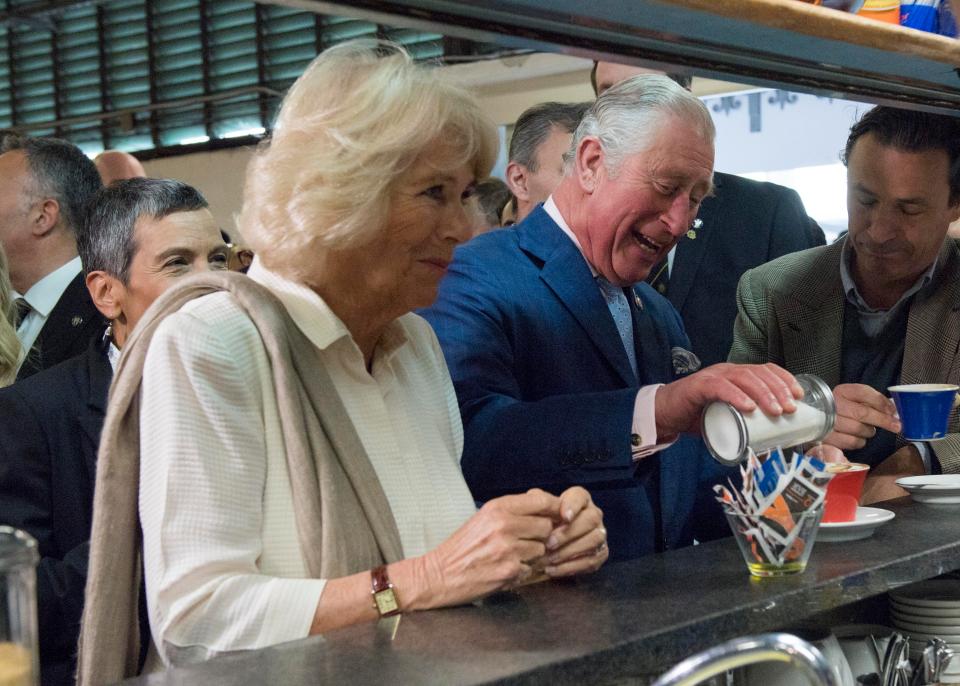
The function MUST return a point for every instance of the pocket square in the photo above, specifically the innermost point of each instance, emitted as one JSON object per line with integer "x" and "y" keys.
{"x": 684, "y": 361}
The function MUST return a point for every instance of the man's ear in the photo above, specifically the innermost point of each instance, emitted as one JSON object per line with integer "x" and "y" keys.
{"x": 589, "y": 162}
{"x": 516, "y": 176}
{"x": 44, "y": 217}
{"x": 107, "y": 293}
{"x": 955, "y": 213}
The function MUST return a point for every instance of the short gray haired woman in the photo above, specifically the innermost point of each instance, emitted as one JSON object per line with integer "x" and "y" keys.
{"x": 297, "y": 432}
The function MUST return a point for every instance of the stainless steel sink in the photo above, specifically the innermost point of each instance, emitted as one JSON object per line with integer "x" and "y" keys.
{"x": 740, "y": 652}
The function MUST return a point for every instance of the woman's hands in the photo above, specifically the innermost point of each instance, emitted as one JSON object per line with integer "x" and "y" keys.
{"x": 578, "y": 544}
{"x": 509, "y": 540}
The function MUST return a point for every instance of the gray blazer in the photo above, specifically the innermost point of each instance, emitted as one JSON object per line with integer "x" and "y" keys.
{"x": 790, "y": 312}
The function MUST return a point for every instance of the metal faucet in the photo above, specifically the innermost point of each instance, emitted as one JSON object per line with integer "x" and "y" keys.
{"x": 740, "y": 652}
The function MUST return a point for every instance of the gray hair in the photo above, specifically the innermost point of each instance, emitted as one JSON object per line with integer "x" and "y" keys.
{"x": 535, "y": 125}
{"x": 60, "y": 171}
{"x": 492, "y": 195}
{"x": 628, "y": 116}
{"x": 106, "y": 242}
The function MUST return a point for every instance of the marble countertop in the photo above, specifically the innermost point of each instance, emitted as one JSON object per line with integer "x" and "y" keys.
{"x": 630, "y": 620}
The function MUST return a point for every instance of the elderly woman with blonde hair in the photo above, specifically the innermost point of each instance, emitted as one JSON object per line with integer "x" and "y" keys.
{"x": 297, "y": 433}
{"x": 9, "y": 343}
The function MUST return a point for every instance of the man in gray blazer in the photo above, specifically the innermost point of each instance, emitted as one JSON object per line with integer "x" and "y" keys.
{"x": 882, "y": 305}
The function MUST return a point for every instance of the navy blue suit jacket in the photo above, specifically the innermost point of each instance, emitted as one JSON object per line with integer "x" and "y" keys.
{"x": 745, "y": 224}
{"x": 545, "y": 388}
{"x": 49, "y": 434}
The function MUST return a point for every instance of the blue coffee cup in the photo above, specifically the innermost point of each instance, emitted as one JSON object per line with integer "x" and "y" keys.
{"x": 924, "y": 409}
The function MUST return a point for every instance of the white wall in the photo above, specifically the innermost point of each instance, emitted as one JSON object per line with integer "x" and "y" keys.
{"x": 505, "y": 87}
{"x": 218, "y": 175}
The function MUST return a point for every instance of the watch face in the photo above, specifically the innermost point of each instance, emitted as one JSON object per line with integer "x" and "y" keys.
{"x": 386, "y": 601}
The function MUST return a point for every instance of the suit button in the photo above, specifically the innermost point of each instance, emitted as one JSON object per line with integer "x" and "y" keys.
{"x": 635, "y": 440}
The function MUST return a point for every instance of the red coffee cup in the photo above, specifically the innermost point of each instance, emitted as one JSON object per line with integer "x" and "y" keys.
{"x": 843, "y": 491}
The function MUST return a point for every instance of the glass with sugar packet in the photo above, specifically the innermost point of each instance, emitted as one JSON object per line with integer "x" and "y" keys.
{"x": 730, "y": 434}
{"x": 18, "y": 608}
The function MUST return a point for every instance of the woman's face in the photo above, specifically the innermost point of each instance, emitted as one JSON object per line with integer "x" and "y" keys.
{"x": 428, "y": 217}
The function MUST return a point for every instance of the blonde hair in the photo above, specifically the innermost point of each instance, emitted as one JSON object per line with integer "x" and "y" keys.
{"x": 347, "y": 131}
{"x": 9, "y": 343}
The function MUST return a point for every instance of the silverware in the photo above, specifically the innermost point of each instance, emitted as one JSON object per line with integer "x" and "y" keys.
{"x": 877, "y": 652}
{"x": 886, "y": 665}
{"x": 943, "y": 654}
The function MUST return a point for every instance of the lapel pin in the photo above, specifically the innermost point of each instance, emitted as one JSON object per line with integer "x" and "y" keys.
{"x": 636, "y": 299}
{"x": 77, "y": 321}
{"x": 692, "y": 232}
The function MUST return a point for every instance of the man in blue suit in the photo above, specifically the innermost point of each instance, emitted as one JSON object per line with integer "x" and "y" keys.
{"x": 558, "y": 357}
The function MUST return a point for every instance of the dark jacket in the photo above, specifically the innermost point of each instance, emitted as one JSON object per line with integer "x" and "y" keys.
{"x": 744, "y": 224}
{"x": 49, "y": 434}
{"x": 546, "y": 391}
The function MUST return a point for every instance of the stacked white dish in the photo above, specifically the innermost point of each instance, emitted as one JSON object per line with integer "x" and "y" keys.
{"x": 929, "y": 609}
{"x": 933, "y": 489}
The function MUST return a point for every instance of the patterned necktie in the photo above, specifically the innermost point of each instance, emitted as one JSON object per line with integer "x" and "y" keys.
{"x": 23, "y": 309}
{"x": 620, "y": 311}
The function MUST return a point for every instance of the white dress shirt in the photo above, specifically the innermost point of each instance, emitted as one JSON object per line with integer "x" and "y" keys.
{"x": 42, "y": 298}
{"x": 644, "y": 419}
{"x": 222, "y": 560}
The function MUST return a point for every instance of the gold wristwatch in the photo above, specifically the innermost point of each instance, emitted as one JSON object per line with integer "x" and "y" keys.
{"x": 384, "y": 598}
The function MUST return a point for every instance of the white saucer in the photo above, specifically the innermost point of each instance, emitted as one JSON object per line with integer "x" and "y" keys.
{"x": 925, "y": 632}
{"x": 936, "y": 594}
{"x": 934, "y": 489}
{"x": 947, "y": 615}
{"x": 867, "y": 520}
{"x": 919, "y": 615}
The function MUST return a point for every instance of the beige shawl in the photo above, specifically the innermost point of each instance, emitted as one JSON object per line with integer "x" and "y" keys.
{"x": 344, "y": 522}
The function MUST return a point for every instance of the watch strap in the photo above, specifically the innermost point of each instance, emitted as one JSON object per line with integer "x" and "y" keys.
{"x": 384, "y": 597}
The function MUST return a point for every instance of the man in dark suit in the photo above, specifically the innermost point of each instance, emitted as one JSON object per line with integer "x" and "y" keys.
{"x": 741, "y": 225}
{"x": 556, "y": 357}
{"x": 140, "y": 235}
{"x": 45, "y": 185}
{"x": 540, "y": 136}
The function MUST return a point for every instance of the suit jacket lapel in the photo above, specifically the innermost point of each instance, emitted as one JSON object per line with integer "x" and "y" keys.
{"x": 812, "y": 320}
{"x": 933, "y": 325}
{"x": 654, "y": 360}
{"x": 566, "y": 273}
{"x": 65, "y": 322}
{"x": 691, "y": 251}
